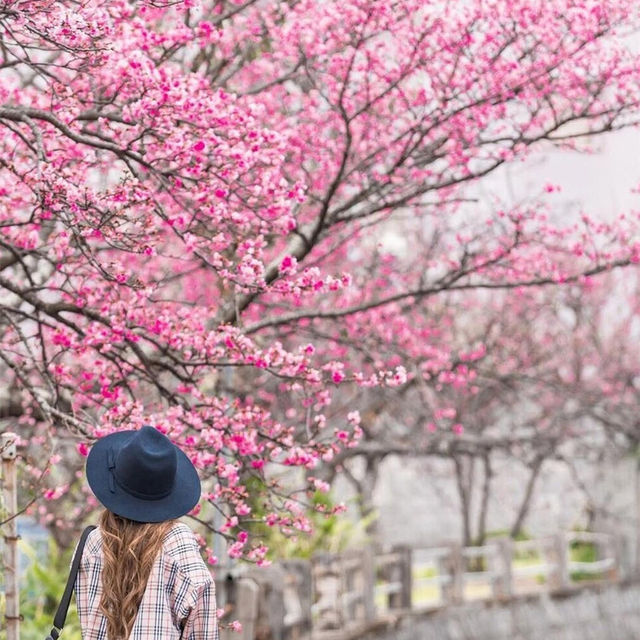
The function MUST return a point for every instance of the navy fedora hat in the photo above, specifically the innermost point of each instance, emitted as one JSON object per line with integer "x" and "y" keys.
{"x": 141, "y": 475}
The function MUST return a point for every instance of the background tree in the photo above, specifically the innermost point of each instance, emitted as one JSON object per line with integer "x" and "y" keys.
{"x": 554, "y": 380}
{"x": 193, "y": 193}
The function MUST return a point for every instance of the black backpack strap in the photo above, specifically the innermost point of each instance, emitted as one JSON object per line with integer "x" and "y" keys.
{"x": 63, "y": 607}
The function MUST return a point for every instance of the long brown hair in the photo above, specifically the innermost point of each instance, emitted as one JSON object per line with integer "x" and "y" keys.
{"x": 129, "y": 550}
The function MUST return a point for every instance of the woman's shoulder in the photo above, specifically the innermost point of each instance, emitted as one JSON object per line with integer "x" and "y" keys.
{"x": 182, "y": 547}
{"x": 178, "y": 537}
{"x": 180, "y": 534}
{"x": 93, "y": 542}
{"x": 181, "y": 541}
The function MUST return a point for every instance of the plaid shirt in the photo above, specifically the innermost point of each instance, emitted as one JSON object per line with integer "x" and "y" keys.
{"x": 179, "y": 599}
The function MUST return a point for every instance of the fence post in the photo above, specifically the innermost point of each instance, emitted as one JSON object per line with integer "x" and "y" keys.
{"x": 298, "y": 598}
{"x": 327, "y": 592}
{"x": 561, "y": 577}
{"x": 453, "y": 590}
{"x": 11, "y": 569}
{"x": 503, "y": 587}
{"x": 619, "y": 570}
{"x": 369, "y": 584}
{"x": 246, "y": 610}
{"x": 407, "y": 577}
{"x": 402, "y": 574}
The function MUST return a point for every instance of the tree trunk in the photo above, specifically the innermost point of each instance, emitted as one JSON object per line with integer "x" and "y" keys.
{"x": 364, "y": 488}
{"x": 516, "y": 529}
{"x": 464, "y": 491}
{"x": 368, "y": 485}
{"x": 484, "y": 506}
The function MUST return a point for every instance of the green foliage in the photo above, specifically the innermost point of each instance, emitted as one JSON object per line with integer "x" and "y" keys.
{"x": 583, "y": 552}
{"x": 42, "y": 586}
{"x": 330, "y": 532}
{"x": 333, "y": 533}
{"x": 506, "y": 533}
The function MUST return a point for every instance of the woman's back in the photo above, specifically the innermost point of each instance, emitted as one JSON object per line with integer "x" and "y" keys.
{"x": 178, "y": 600}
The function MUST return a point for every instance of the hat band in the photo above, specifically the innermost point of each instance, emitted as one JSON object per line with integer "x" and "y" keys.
{"x": 140, "y": 494}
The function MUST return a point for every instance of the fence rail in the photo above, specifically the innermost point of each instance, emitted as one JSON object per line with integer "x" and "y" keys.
{"x": 344, "y": 595}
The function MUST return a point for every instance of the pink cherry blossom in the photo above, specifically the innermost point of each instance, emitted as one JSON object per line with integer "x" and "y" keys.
{"x": 196, "y": 210}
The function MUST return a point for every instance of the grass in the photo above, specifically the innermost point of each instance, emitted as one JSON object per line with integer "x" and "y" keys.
{"x": 425, "y": 593}
{"x": 583, "y": 552}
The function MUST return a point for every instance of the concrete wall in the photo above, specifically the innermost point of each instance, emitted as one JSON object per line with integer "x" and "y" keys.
{"x": 608, "y": 614}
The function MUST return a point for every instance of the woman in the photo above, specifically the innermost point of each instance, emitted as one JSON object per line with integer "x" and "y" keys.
{"x": 142, "y": 576}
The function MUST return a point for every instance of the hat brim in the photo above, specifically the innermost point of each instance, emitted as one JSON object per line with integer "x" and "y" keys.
{"x": 184, "y": 496}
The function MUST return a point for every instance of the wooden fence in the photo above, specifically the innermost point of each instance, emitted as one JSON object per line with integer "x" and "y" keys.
{"x": 337, "y": 597}
{"x": 344, "y": 596}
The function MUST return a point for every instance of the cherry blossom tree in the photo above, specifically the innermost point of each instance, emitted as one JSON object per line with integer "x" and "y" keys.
{"x": 555, "y": 380}
{"x": 193, "y": 198}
